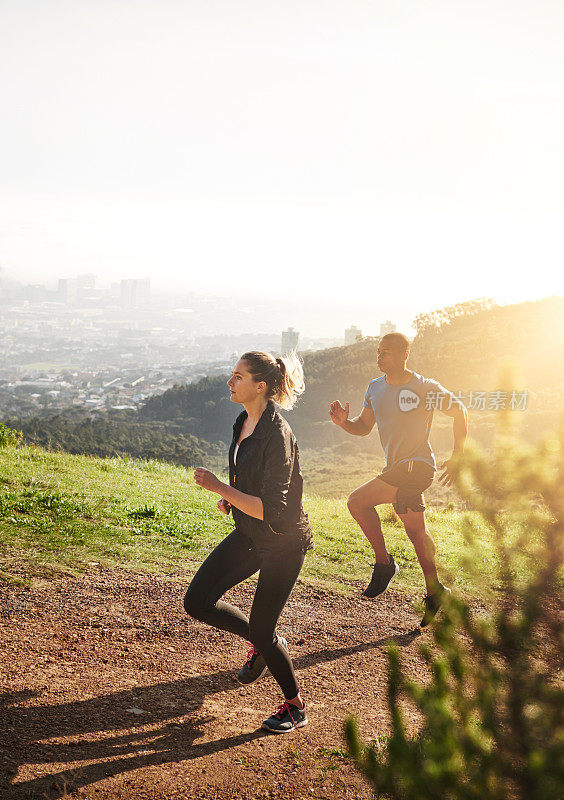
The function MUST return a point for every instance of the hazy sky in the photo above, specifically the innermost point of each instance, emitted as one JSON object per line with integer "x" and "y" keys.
{"x": 407, "y": 153}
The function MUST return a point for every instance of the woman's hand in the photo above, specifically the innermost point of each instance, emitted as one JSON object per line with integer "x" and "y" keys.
{"x": 207, "y": 480}
{"x": 224, "y": 506}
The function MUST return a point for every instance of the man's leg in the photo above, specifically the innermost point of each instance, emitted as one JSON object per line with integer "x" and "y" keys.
{"x": 414, "y": 524}
{"x": 361, "y": 504}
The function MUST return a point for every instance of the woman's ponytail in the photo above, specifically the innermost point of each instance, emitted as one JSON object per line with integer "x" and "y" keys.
{"x": 284, "y": 376}
{"x": 291, "y": 380}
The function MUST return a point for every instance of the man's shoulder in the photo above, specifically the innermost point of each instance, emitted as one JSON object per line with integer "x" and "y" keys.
{"x": 422, "y": 379}
{"x": 375, "y": 383}
{"x": 430, "y": 387}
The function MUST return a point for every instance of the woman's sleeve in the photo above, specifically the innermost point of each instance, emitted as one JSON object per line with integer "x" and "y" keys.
{"x": 278, "y": 468}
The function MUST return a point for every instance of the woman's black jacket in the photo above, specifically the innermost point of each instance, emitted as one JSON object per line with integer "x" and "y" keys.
{"x": 268, "y": 467}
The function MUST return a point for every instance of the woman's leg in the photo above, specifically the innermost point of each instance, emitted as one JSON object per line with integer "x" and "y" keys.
{"x": 278, "y": 574}
{"x": 232, "y": 561}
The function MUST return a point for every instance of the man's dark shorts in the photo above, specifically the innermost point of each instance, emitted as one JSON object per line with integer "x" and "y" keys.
{"x": 411, "y": 478}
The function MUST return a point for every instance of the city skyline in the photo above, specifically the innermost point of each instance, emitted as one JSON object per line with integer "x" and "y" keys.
{"x": 88, "y": 291}
{"x": 256, "y": 315}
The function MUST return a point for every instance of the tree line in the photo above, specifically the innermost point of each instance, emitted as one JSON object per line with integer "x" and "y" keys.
{"x": 107, "y": 438}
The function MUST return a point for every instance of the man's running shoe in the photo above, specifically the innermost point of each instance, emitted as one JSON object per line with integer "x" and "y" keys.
{"x": 255, "y": 665}
{"x": 432, "y": 604}
{"x": 382, "y": 576}
{"x": 286, "y": 718}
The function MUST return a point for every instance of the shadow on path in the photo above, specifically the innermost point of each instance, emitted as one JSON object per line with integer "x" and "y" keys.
{"x": 29, "y": 728}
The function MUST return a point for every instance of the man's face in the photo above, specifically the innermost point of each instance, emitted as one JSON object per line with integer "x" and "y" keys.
{"x": 390, "y": 358}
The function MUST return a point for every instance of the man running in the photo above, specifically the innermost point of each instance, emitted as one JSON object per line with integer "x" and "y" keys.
{"x": 401, "y": 403}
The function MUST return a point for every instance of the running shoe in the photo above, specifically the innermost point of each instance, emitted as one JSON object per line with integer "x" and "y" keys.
{"x": 432, "y": 604}
{"x": 382, "y": 576}
{"x": 286, "y": 718}
{"x": 255, "y": 665}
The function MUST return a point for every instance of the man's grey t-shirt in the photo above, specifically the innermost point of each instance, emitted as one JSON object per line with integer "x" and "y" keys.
{"x": 404, "y": 415}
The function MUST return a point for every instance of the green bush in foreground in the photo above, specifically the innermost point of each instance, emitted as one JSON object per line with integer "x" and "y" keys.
{"x": 9, "y": 437}
{"x": 490, "y": 716}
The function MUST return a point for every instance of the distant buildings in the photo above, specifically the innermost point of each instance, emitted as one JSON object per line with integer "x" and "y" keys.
{"x": 72, "y": 289}
{"x": 387, "y": 327}
{"x": 79, "y": 343}
{"x": 82, "y": 290}
{"x": 290, "y": 339}
{"x": 133, "y": 337}
{"x": 352, "y": 334}
{"x": 135, "y": 292}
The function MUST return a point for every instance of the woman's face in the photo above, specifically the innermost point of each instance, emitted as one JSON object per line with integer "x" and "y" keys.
{"x": 242, "y": 385}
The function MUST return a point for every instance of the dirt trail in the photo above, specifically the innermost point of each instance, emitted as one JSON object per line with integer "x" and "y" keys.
{"x": 109, "y": 690}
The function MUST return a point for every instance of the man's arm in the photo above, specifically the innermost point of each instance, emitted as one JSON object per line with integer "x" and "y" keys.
{"x": 459, "y": 416}
{"x": 359, "y": 426}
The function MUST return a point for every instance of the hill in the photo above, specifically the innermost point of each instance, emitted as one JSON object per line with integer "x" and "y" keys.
{"x": 466, "y": 348}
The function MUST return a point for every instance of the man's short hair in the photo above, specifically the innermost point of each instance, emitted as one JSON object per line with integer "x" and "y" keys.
{"x": 397, "y": 341}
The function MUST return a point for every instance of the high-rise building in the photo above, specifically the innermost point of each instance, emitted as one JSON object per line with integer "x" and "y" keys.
{"x": 352, "y": 334}
{"x": 86, "y": 281}
{"x": 68, "y": 289}
{"x": 387, "y": 327}
{"x": 72, "y": 289}
{"x": 135, "y": 291}
{"x": 35, "y": 292}
{"x": 290, "y": 339}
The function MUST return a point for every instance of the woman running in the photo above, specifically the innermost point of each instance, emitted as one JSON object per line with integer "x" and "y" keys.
{"x": 272, "y": 532}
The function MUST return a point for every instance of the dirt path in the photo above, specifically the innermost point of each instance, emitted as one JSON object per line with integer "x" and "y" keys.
{"x": 109, "y": 690}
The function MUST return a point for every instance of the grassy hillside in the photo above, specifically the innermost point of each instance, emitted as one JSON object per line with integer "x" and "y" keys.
{"x": 69, "y": 512}
{"x": 335, "y": 472}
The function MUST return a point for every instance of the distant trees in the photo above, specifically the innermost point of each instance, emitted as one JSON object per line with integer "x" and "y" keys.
{"x": 201, "y": 409}
{"x": 444, "y": 316}
{"x": 107, "y": 438}
{"x": 468, "y": 350}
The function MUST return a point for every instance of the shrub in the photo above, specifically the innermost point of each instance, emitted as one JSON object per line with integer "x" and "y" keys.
{"x": 9, "y": 437}
{"x": 491, "y": 713}
{"x": 144, "y": 512}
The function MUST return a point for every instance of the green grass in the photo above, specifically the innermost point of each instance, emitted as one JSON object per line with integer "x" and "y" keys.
{"x": 333, "y": 472}
{"x": 61, "y": 512}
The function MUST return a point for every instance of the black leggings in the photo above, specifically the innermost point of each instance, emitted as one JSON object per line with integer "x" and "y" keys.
{"x": 232, "y": 561}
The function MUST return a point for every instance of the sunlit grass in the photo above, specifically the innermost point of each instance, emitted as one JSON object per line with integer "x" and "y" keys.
{"x": 61, "y": 512}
